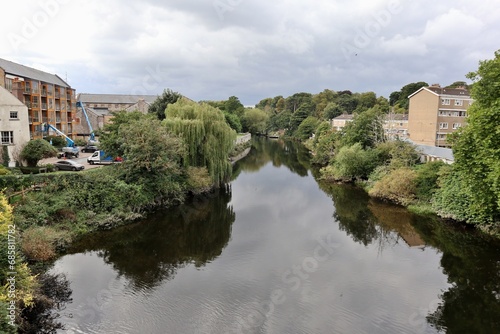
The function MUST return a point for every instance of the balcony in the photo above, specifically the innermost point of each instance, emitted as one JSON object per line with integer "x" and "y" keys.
{"x": 27, "y": 90}
{"x": 34, "y": 105}
{"x": 58, "y": 107}
{"x": 58, "y": 119}
{"x": 58, "y": 95}
{"x": 45, "y": 119}
{"x": 44, "y": 92}
{"x": 68, "y": 96}
{"x": 44, "y": 106}
{"x": 28, "y": 104}
{"x": 34, "y": 120}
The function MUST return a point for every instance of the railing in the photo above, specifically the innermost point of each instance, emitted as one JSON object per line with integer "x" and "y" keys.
{"x": 68, "y": 96}
{"x": 27, "y": 90}
{"x": 58, "y": 107}
{"x": 58, "y": 95}
{"x": 44, "y": 106}
{"x": 28, "y": 104}
{"x": 44, "y": 92}
{"x": 34, "y": 120}
{"x": 45, "y": 119}
{"x": 34, "y": 105}
{"x": 58, "y": 119}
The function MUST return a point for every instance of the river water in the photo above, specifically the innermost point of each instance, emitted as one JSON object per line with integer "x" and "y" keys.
{"x": 283, "y": 253}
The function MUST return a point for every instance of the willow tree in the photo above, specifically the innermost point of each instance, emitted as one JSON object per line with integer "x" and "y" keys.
{"x": 207, "y": 136}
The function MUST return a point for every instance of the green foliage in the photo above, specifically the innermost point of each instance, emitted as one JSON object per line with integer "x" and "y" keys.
{"x": 110, "y": 140}
{"x": 234, "y": 106}
{"x": 306, "y": 128}
{"x": 398, "y": 186}
{"x": 255, "y": 120}
{"x": 208, "y": 138}
{"x": 400, "y": 98}
{"x": 36, "y": 150}
{"x": 351, "y": 162}
{"x": 80, "y": 142}
{"x": 397, "y": 154}
{"x": 427, "y": 179}
{"x": 160, "y": 104}
{"x": 476, "y": 148}
{"x": 57, "y": 141}
{"x": 39, "y": 243}
{"x": 324, "y": 148}
{"x": 233, "y": 121}
{"x": 365, "y": 129}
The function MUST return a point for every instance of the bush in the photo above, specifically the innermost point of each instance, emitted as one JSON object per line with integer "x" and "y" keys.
{"x": 36, "y": 150}
{"x": 80, "y": 142}
{"x": 40, "y": 243}
{"x": 56, "y": 141}
{"x": 426, "y": 181}
{"x": 398, "y": 186}
{"x": 352, "y": 162}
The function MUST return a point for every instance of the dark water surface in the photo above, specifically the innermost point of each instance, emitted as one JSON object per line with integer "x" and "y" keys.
{"x": 282, "y": 253}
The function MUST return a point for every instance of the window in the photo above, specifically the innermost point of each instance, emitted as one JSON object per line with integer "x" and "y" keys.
{"x": 459, "y": 103}
{"x": 462, "y": 113}
{"x": 445, "y": 102}
{"x": 7, "y": 137}
{"x": 8, "y": 84}
{"x": 441, "y": 136}
{"x": 443, "y": 126}
{"x": 13, "y": 115}
{"x": 456, "y": 125}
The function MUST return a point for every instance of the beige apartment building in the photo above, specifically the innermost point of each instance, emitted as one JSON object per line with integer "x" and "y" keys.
{"x": 48, "y": 97}
{"x": 435, "y": 112}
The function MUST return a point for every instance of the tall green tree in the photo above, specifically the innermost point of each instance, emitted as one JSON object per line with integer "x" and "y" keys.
{"x": 160, "y": 104}
{"x": 255, "y": 120}
{"x": 476, "y": 148}
{"x": 365, "y": 129}
{"x": 207, "y": 136}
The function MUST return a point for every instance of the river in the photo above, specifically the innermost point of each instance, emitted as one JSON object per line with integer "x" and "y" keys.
{"x": 283, "y": 253}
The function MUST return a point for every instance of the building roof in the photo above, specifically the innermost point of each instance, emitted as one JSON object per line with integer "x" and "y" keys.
{"x": 31, "y": 73}
{"x": 459, "y": 92}
{"x": 114, "y": 98}
{"x": 434, "y": 151}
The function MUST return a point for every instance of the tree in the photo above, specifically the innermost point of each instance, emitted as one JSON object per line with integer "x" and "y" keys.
{"x": 476, "y": 149}
{"x": 233, "y": 121}
{"x": 109, "y": 137}
{"x": 255, "y": 120}
{"x": 365, "y": 129}
{"x": 234, "y": 106}
{"x": 307, "y": 128}
{"x": 36, "y": 150}
{"x": 401, "y": 98}
{"x": 160, "y": 104}
{"x": 207, "y": 136}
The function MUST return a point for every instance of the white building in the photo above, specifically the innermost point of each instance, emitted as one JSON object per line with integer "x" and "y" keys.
{"x": 14, "y": 124}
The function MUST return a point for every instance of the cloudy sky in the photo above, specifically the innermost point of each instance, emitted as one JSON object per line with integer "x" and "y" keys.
{"x": 253, "y": 49}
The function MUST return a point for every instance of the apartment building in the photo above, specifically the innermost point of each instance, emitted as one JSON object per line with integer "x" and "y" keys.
{"x": 48, "y": 97}
{"x": 435, "y": 112}
{"x": 396, "y": 126}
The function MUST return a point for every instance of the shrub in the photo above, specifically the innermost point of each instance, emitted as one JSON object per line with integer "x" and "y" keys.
{"x": 40, "y": 243}
{"x": 426, "y": 181}
{"x": 80, "y": 142}
{"x": 198, "y": 179}
{"x": 353, "y": 162}
{"x": 36, "y": 150}
{"x": 398, "y": 186}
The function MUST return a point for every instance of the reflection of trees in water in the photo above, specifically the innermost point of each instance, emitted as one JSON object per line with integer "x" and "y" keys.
{"x": 153, "y": 250}
{"x": 287, "y": 153}
{"x": 472, "y": 263}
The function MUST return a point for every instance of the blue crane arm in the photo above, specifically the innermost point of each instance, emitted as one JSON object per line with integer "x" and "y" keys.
{"x": 92, "y": 135}
{"x": 69, "y": 141}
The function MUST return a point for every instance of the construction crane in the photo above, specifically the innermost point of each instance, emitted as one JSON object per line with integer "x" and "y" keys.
{"x": 91, "y": 130}
{"x": 71, "y": 150}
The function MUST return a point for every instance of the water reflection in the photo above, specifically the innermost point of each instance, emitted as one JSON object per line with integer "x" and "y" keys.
{"x": 290, "y": 154}
{"x": 148, "y": 253}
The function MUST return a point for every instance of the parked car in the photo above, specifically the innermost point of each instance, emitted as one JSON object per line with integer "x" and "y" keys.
{"x": 68, "y": 165}
{"x": 89, "y": 149}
